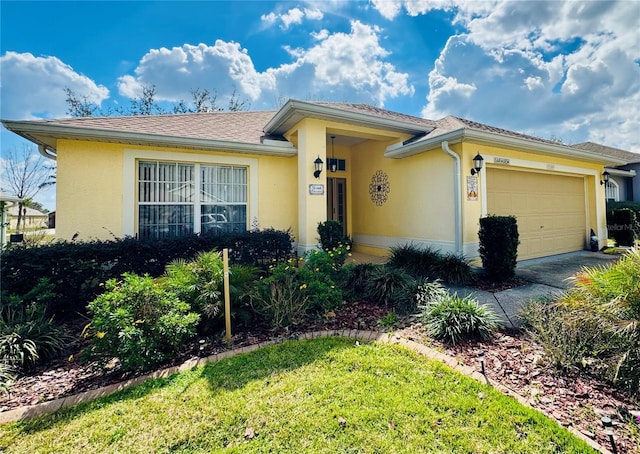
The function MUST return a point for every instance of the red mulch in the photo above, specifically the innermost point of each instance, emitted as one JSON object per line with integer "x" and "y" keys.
{"x": 509, "y": 359}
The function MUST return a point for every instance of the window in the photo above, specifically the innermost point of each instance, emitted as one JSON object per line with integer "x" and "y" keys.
{"x": 175, "y": 199}
{"x": 612, "y": 193}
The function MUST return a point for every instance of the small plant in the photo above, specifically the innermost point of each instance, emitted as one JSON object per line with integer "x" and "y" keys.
{"x": 6, "y": 376}
{"x": 429, "y": 293}
{"x": 27, "y": 333}
{"x": 139, "y": 322}
{"x": 454, "y": 269}
{"x": 499, "y": 241}
{"x": 390, "y": 286}
{"x": 389, "y": 320}
{"x": 280, "y": 297}
{"x": 453, "y": 319}
{"x": 332, "y": 235}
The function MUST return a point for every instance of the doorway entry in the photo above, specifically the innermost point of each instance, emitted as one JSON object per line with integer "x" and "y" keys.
{"x": 337, "y": 201}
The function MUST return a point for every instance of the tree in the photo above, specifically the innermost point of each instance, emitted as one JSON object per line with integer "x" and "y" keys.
{"x": 202, "y": 100}
{"x": 24, "y": 174}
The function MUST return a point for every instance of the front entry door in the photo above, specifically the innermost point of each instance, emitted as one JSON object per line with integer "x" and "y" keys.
{"x": 337, "y": 201}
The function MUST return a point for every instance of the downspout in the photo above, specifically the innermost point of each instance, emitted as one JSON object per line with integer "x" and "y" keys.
{"x": 47, "y": 152}
{"x": 456, "y": 195}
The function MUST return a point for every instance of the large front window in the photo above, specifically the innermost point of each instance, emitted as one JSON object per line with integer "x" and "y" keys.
{"x": 176, "y": 199}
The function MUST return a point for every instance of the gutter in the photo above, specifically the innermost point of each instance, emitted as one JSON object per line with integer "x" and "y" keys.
{"x": 29, "y": 130}
{"x": 456, "y": 195}
{"x": 621, "y": 172}
{"x": 492, "y": 138}
{"x": 47, "y": 152}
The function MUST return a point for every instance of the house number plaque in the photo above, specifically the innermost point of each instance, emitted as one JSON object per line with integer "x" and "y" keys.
{"x": 316, "y": 189}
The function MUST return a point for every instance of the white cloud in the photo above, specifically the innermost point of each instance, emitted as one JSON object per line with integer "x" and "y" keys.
{"x": 33, "y": 87}
{"x": 568, "y": 69}
{"x": 337, "y": 66}
{"x": 294, "y": 16}
{"x": 225, "y": 66}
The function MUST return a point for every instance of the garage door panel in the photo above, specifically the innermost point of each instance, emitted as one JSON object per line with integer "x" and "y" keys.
{"x": 550, "y": 209}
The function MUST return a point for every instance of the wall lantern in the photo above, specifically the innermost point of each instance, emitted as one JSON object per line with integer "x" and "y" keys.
{"x": 333, "y": 162}
{"x": 605, "y": 178}
{"x": 477, "y": 164}
{"x": 318, "y": 167}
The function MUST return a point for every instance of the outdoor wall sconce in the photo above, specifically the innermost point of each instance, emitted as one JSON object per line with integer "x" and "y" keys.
{"x": 605, "y": 178}
{"x": 477, "y": 164}
{"x": 333, "y": 162}
{"x": 318, "y": 167}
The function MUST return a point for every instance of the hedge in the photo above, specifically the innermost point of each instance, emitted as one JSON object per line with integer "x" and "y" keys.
{"x": 499, "y": 241}
{"x": 77, "y": 270}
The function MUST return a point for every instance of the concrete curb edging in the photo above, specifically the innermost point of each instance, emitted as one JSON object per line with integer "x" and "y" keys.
{"x": 32, "y": 411}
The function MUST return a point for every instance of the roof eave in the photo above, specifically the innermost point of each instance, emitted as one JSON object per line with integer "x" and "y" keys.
{"x": 489, "y": 138}
{"x": 30, "y": 129}
{"x": 278, "y": 124}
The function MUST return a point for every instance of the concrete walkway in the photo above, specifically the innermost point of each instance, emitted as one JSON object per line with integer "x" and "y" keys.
{"x": 548, "y": 278}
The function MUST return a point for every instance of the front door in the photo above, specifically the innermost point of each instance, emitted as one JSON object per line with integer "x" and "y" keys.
{"x": 337, "y": 201}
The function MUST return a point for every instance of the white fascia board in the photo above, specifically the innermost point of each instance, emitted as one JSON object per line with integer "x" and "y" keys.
{"x": 336, "y": 114}
{"x": 491, "y": 138}
{"x": 25, "y": 129}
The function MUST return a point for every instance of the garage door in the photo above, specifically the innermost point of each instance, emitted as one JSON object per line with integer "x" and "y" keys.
{"x": 550, "y": 209}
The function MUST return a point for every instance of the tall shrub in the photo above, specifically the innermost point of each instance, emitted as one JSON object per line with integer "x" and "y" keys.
{"x": 622, "y": 224}
{"x": 499, "y": 241}
{"x": 332, "y": 235}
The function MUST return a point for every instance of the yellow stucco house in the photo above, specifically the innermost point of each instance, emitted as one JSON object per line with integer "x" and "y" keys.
{"x": 390, "y": 178}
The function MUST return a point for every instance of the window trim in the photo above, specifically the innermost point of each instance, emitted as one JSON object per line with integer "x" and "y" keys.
{"x": 130, "y": 183}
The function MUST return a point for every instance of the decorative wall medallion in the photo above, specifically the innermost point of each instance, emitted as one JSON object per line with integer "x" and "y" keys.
{"x": 379, "y": 187}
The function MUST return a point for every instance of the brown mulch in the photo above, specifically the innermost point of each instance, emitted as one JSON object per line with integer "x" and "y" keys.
{"x": 509, "y": 359}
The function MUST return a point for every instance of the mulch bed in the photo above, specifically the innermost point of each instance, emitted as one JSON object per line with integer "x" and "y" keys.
{"x": 509, "y": 359}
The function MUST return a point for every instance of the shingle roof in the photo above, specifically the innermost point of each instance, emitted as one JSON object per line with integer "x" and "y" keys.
{"x": 603, "y": 150}
{"x": 242, "y": 127}
{"x": 380, "y": 113}
{"x": 13, "y": 211}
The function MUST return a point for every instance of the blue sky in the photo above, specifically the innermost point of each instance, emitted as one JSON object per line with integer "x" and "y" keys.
{"x": 554, "y": 69}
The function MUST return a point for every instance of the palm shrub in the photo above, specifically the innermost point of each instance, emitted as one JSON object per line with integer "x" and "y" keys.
{"x": 454, "y": 319}
{"x": 140, "y": 322}
{"x": 199, "y": 282}
{"x": 28, "y": 334}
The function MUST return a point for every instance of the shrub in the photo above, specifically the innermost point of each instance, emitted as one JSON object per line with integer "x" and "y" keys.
{"x": 390, "y": 286}
{"x": 140, "y": 322}
{"x": 453, "y": 319}
{"x": 425, "y": 262}
{"x": 332, "y": 235}
{"x": 569, "y": 340}
{"x": 421, "y": 262}
{"x": 241, "y": 281}
{"x": 353, "y": 279}
{"x": 596, "y": 325}
{"x": 199, "y": 283}
{"x": 622, "y": 225}
{"x": 76, "y": 269}
{"x": 499, "y": 246}
{"x": 429, "y": 293}
{"x": 280, "y": 297}
{"x": 6, "y": 376}
{"x": 27, "y": 333}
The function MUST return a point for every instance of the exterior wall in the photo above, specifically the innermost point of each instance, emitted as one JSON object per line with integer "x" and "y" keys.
{"x": 633, "y": 192}
{"x": 31, "y": 222}
{"x": 96, "y": 187}
{"x": 420, "y": 204}
{"x": 473, "y": 210}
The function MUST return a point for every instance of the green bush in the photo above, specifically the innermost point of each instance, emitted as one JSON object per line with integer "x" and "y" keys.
{"x": 427, "y": 263}
{"x": 623, "y": 226}
{"x": 332, "y": 235}
{"x": 77, "y": 269}
{"x": 199, "y": 282}
{"x": 499, "y": 241}
{"x": 353, "y": 279}
{"x": 391, "y": 287}
{"x": 140, "y": 322}
{"x": 280, "y": 298}
{"x": 6, "y": 376}
{"x": 241, "y": 281}
{"x": 28, "y": 334}
{"x": 453, "y": 319}
{"x": 596, "y": 324}
{"x": 420, "y": 262}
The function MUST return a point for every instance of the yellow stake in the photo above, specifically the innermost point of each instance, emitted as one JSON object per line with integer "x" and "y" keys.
{"x": 227, "y": 302}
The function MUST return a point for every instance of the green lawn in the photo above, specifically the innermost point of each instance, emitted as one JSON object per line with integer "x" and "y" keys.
{"x": 323, "y": 395}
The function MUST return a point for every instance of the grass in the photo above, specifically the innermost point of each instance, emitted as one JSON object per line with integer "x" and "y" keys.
{"x": 324, "y": 395}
